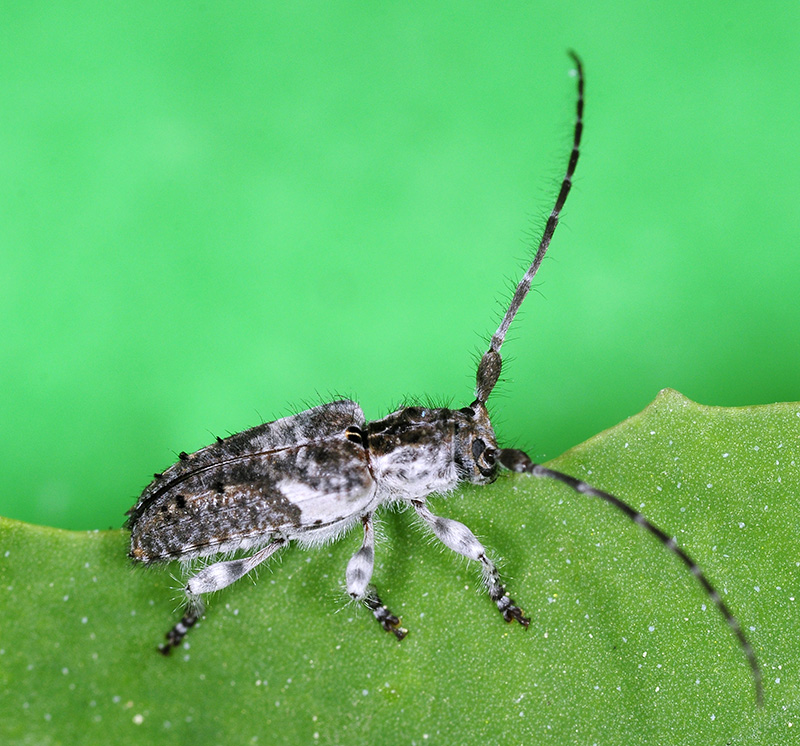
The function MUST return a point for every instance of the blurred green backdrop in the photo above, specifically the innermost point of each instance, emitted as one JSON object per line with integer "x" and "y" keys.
{"x": 215, "y": 214}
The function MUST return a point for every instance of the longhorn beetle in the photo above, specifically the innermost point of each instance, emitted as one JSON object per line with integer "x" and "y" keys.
{"x": 312, "y": 476}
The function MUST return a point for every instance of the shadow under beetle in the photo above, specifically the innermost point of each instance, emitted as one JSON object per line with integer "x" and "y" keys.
{"x": 312, "y": 476}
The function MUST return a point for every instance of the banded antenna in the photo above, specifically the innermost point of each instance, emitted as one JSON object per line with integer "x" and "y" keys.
{"x": 491, "y": 362}
{"x": 518, "y": 461}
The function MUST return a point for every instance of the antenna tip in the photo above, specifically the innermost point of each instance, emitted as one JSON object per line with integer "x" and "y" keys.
{"x": 578, "y": 64}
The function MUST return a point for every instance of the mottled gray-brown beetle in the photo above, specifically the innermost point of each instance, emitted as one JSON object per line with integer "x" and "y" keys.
{"x": 311, "y": 477}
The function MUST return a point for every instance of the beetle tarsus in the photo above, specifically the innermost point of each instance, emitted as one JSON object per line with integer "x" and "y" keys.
{"x": 175, "y": 636}
{"x": 386, "y": 619}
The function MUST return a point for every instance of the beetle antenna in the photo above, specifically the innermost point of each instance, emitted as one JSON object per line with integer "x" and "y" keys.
{"x": 491, "y": 362}
{"x": 520, "y": 462}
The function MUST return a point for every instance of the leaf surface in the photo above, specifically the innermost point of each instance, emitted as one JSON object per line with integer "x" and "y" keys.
{"x": 623, "y": 646}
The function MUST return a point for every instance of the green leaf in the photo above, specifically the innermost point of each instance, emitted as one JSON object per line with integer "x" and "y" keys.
{"x": 623, "y": 646}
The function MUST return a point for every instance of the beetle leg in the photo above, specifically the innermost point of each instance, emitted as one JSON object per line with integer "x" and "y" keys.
{"x": 460, "y": 539}
{"x": 359, "y": 573}
{"x": 213, "y": 578}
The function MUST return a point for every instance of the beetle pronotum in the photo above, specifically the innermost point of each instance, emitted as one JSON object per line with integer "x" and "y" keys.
{"x": 312, "y": 476}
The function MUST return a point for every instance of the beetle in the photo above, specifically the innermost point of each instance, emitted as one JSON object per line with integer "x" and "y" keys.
{"x": 310, "y": 477}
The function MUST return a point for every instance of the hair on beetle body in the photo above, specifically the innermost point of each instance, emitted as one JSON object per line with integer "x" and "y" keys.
{"x": 315, "y": 475}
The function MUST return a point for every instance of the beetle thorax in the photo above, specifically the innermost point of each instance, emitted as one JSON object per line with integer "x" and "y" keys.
{"x": 418, "y": 450}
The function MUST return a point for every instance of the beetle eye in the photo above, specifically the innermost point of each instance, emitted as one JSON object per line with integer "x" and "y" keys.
{"x": 478, "y": 447}
{"x": 490, "y": 456}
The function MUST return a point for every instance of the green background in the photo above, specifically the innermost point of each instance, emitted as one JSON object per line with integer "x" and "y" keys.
{"x": 216, "y": 214}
